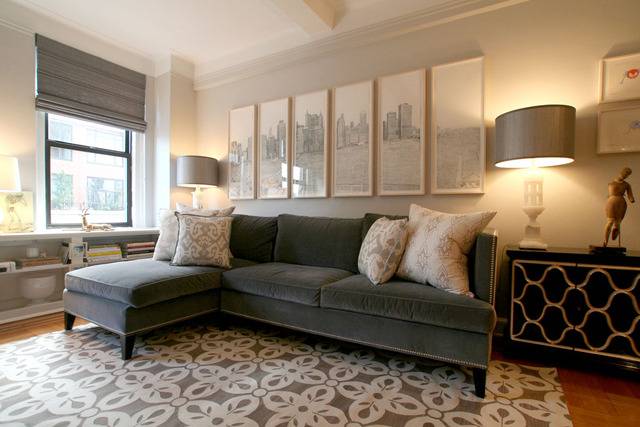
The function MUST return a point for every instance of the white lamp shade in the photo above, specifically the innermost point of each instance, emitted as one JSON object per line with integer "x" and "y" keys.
{"x": 9, "y": 174}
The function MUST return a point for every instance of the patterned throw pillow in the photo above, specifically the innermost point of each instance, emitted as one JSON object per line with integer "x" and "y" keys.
{"x": 203, "y": 241}
{"x": 437, "y": 247}
{"x": 166, "y": 244}
{"x": 382, "y": 249}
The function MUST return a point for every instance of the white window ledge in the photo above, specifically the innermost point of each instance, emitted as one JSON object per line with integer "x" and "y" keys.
{"x": 62, "y": 234}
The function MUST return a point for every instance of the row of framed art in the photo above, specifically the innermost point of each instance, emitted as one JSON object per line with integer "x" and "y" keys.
{"x": 342, "y": 138}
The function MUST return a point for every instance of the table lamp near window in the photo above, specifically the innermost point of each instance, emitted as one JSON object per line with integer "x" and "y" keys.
{"x": 197, "y": 172}
{"x": 9, "y": 179}
{"x": 533, "y": 138}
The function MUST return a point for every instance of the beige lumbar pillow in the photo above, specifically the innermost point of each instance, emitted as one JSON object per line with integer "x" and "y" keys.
{"x": 382, "y": 249}
{"x": 437, "y": 247}
{"x": 203, "y": 241}
{"x": 166, "y": 244}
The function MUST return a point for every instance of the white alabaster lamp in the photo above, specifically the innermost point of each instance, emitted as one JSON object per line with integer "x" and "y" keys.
{"x": 9, "y": 178}
{"x": 533, "y": 138}
{"x": 197, "y": 172}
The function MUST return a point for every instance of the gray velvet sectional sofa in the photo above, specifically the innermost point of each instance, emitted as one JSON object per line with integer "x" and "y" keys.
{"x": 300, "y": 273}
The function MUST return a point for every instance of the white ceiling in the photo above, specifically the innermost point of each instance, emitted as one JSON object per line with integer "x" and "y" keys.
{"x": 212, "y": 34}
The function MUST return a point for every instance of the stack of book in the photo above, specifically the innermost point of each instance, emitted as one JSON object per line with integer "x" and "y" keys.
{"x": 100, "y": 254}
{"x": 37, "y": 262}
{"x": 138, "y": 250}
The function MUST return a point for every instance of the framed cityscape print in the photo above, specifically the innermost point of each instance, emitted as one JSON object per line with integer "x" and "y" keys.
{"x": 619, "y": 129}
{"x": 352, "y": 142}
{"x": 241, "y": 153}
{"x": 620, "y": 78}
{"x": 401, "y": 146}
{"x": 273, "y": 149}
{"x": 310, "y": 145}
{"x": 457, "y": 128}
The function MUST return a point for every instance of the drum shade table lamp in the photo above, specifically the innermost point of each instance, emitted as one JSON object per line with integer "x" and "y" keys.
{"x": 9, "y": 178}
{"x": 533, "y": 138}
{"x": 197, "y": 172}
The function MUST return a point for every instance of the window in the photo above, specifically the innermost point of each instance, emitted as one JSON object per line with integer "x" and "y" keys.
{"x": 88, "y": 166}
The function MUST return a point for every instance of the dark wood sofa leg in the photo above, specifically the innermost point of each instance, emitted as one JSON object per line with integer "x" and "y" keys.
{"x": 68, "y": 321}
{"x": 480, "y": 381}
{"x": 127, "y": 343}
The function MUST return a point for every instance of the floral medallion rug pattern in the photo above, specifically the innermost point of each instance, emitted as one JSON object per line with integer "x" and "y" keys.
{"x": 201, "y": 375}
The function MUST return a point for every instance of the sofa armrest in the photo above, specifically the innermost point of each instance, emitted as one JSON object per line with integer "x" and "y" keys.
{"x": 482, "y": 266}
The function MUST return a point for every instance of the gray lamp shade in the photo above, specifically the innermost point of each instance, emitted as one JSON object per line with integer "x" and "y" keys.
{"x": 535, "y": 136}
{"x": 197, "y": 171}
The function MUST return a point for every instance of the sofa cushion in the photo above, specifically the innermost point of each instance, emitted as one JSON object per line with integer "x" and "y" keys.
{"x": 322, "y": 242}
{"x": 144, "y": 282}
{"x": 287, "y": 282}
{"x": 409, "y": 301}
{"x": 253, "y": 237}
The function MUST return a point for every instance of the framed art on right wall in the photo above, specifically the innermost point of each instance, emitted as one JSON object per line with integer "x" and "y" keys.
{"x": 620, "y": 78}
{"x": 457, "y": 128}
{"x": 619, "y": 129}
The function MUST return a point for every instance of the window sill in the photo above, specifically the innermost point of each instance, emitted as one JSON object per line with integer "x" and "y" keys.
{"x": 62, "y": 234}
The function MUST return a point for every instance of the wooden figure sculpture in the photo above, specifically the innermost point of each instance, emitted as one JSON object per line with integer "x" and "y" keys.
{"x": 92, "y": 227}
{"x": 616, "y": 206}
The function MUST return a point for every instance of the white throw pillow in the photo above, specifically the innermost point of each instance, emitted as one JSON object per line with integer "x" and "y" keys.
{"x": 437, "y": 247}
{"x": 203, "y": 241}
{"x": 166, "y": 244}
{"x": 382, "y": 249}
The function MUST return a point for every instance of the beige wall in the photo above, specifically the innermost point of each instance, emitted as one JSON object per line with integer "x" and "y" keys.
{"x": 542, "y": 51}
{"x": 17, "y": 111}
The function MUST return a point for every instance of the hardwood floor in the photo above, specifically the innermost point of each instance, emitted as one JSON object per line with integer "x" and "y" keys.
{"x": 594, "y": 399}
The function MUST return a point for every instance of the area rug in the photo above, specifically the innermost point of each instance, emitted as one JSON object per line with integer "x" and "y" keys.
{"x": 249, "y": 376}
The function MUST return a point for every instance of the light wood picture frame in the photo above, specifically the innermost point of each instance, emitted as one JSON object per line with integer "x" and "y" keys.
{"x": 310, "y": 142}
{"x": 352, "y": 140}
{"x": 620, "y": 78}
{"x": 458, "y": 147}
{"x": 401, "y": 106}
{"x": 619, "y": 128}
{"x": 274, "y": 149}
{"x": 241, "y": 160}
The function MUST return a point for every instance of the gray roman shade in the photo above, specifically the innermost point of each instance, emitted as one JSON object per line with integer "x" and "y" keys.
{"x": 75, "y": 83}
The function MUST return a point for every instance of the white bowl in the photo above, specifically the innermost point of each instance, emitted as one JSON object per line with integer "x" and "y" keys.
{"x": 37, "y": 289}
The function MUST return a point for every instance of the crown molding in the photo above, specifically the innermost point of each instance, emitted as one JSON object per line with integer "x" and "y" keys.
{"x": 15, "y": 27}
{"x": 370, "y": 34}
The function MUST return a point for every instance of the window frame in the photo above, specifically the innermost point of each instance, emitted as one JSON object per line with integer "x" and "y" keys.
{"x": 126, "y": 154}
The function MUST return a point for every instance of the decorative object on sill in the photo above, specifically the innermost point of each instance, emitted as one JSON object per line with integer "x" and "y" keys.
{"x": 533, "y": 138}
{"x": 197, "y": 172}
{"x": 620, "y": 78}
{"x": 457, "y": 128}
{"x": 401, "y": 139}
{"x": 615, "y": 209}
{"x": 619, "y": 128}
{"x": 242, "y": 138}
{"x": 92, "y": 227}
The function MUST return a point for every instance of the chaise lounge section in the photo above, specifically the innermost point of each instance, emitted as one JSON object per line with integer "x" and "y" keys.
{"x": 300, "y": 273}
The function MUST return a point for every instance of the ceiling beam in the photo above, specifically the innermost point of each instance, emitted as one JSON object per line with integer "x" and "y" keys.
{"x": 313, "y": 16}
